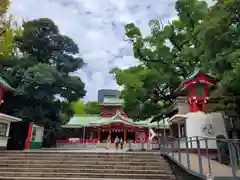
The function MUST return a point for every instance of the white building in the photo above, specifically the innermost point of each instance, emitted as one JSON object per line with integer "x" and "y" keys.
{"x": 5, "y": 122}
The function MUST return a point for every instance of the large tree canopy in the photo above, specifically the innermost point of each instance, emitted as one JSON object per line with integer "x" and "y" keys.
{"x": 138, "y": 83}
{"x": 7, "y": 33}
{"x": 41, "y": 75}
{"x": 202, "y": 37}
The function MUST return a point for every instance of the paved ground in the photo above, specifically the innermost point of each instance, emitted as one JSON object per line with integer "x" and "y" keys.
{"x": 218, "y": 170}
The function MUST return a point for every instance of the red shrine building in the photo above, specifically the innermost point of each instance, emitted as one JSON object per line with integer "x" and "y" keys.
{"x": 113, "y": 121}
{"x": 191, "y": 119}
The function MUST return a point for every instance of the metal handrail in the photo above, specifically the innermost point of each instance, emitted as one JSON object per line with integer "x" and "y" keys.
{"x": 204, "y": 138}
{"x": 172, "y": 146}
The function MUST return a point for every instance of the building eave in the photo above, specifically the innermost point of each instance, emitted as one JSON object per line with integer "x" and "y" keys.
{"x": 176, "y": 118}
{"x": 9, "y": 118}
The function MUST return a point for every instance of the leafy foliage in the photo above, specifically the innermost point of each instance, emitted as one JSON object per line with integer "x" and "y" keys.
{"x": 92, "y": 107}
{"x": 7, "y": 33}
{"x": 41, "y": 75}
{"x": 4, "y": 4}
{"x": 138, "y": 83}
{"x": 78, "y": 107}
{"x": 202, "y": 37}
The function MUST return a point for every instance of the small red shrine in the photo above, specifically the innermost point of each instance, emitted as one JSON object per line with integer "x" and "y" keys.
{"x": 190, "y": 119}
{"x": 196, "y": 87}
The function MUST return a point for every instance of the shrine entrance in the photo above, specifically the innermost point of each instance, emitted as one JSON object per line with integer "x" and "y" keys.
{"x": 115, "y": 134}
{"x": 131, "y": 136}
{"x": 103, "y": 136}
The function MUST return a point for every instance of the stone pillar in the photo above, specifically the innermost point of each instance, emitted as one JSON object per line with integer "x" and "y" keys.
{"x": 179, "y": 130}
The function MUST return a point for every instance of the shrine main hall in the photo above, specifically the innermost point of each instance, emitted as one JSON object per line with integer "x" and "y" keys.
{"x": 111, "y": 121}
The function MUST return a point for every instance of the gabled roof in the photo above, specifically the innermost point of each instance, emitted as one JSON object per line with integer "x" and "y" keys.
{"x": 9, "y": 118}
{"x": 193, "y": 75}
{"x": 96, "y": 120}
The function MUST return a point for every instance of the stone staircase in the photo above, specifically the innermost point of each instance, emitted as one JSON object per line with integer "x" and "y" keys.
{"x": 49, "y": 165}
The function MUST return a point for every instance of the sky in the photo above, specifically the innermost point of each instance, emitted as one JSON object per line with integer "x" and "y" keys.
{"x": 97, "y": 26}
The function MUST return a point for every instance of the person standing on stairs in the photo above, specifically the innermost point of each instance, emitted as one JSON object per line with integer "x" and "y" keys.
{"x": 121, "y": 142}
{"x": 108, "y": 141}
{"x": 116, "y": 142}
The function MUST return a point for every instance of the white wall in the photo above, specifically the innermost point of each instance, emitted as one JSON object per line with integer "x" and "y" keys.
{"x": 183, "y": 107}
{"x": 39, "y": 133}
{"x": 195, "y": 123}
{"x": 3, "y": 141}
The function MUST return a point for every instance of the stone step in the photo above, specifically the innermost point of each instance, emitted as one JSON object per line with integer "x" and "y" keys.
{"x": 57, "y": 178}
{"x": 80, "y": 166}
{"x": 94, "y": 157}
{"x": 85, "y": 170}
{"x": 88, "y": 175}
{"x": 125, "y": 163}
{"x": 81, "y": 154}
{"x": 80, "y": 159}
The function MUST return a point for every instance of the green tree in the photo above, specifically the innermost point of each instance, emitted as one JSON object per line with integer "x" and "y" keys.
{"x": 170, "y": 53}
{"x": 78, "y": 107}
{"x": 202, "y": 37}
{"x": 92, "y": 107}
{"x": 138, "y": 83}
{"x": 42, "y": 74}
{"x": 7, "y": 34}
{"x": 4, "y": 4}
{"x": 220, "y": 52}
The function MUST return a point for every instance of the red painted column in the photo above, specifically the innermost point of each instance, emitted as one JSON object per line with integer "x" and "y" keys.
{"x": 99, "y": 135}
{"x": 146, "y": 135}
{"x": 29, "y": 137}
{"x": 2, "y": 92}
{"x": 135, "y": 137}
{"x": 125, "y": 135}
{"x": 194, "y": 106}
{"x": 204, "y": 109}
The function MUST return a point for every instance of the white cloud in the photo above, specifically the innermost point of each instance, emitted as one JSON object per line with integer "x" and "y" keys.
{"x": 97, "y": 26}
